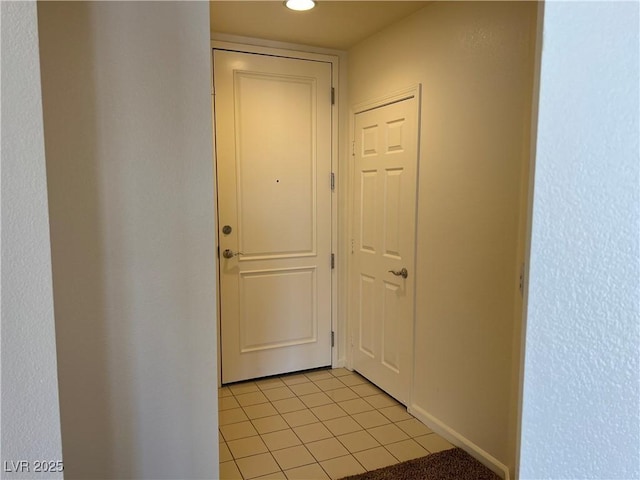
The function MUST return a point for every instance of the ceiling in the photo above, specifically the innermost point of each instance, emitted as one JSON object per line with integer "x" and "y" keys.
{"x": 331, "y": 24}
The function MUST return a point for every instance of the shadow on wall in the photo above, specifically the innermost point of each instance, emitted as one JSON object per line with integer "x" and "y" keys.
{"x": 127, "y": 121}
{"x": 78, "y": 253}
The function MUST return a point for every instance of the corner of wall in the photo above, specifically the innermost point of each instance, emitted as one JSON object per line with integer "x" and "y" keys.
{"x": 459, "y": 440}
{"x": 30, "y": 405}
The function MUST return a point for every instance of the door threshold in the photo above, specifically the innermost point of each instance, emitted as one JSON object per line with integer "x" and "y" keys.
{"x": 280, "y": 375}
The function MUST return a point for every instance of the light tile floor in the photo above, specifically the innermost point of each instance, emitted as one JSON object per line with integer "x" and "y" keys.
{"x": 315, "y": 425}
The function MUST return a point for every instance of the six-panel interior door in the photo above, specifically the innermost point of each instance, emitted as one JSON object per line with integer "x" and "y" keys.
{"x": 384, "y": 201}
{"x": 273, "y": 145}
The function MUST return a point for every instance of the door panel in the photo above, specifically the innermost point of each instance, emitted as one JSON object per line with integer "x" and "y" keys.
{"x": 392, "y": 213}
{"x": 265, "y": 150}
{"x": 273, "y": 145}
{"x": 367, "y": 304}
{"x": 391, "y": 311}
{"x": 266, "y": 324}
{"x": 384, "y": 198}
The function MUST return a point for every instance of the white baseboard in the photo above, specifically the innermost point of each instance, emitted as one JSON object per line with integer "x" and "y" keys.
{"x": 459, "y": 440}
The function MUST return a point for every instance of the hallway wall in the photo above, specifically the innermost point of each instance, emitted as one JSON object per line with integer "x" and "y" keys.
{"x": 582, "y": 384}
{"x": 128, "y": 139}
{"x": 30, "y": 423}
{"x": 475, "y": 63}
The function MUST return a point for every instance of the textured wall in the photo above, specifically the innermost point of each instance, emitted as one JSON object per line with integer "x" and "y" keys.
{"x": 128, "y": 137}
{"x": 30, "y": 419}
{"x": 475, "y": 62}
{"x": 581, "y": 394}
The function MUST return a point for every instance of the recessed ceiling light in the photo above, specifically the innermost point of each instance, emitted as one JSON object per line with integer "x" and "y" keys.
{"x": 300, "y": 5}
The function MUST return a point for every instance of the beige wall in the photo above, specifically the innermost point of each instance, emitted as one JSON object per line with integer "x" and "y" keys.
{"x": 474, "y": 61}
{"x": 127, "y": 118}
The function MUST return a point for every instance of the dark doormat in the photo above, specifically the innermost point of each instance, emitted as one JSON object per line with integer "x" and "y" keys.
{"x": 454, "y": 464}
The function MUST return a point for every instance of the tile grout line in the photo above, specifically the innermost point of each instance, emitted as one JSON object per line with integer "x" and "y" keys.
{"x": 270, "y": 402}
{"x": 332, "y": 402}
{"x": 350, "y": 454}
{"x": 303, "y": 444}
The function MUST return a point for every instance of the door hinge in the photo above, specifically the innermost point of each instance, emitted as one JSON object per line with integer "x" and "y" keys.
{"x": 521, "y": 283}
{"x": 333, "y": 261}
{"x": 333, "y": 339}
{"x": 333, "y": 181}
{"x": 353, "y": 148}
{"x": 333, "y": 96}
{"x": 218, "y": 251}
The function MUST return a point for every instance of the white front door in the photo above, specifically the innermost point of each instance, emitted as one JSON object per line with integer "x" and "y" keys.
{"x": 384, "y": 232}
{"x": 273, "y": 146}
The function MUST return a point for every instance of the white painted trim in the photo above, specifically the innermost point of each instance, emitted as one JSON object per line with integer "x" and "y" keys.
{"x": 249, "y": 42}
{"x": 396, "y": 96}
{"x": 217, "y": 245}
{"x": 266, "y": 47}
{"x": 288, "y": 53}
{"x": 350, "y": 322}
{"x": 459, "y": 440}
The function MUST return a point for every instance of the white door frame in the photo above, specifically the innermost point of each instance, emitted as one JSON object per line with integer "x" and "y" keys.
{"x": 292, "y": 51}
{"x": 393, "y": 97}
